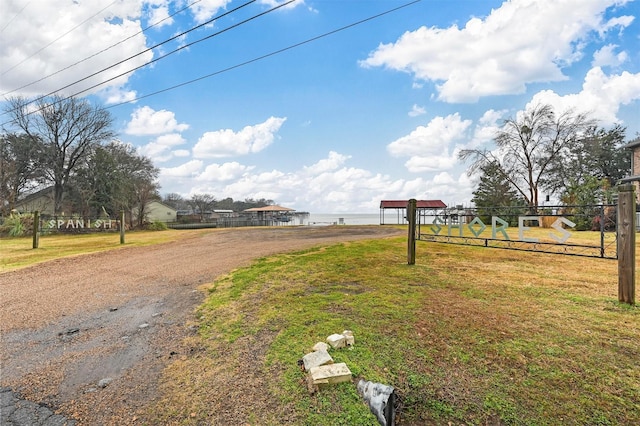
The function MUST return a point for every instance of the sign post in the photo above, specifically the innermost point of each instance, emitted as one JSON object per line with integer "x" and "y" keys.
{"x": 36, "y": 229}
{"x": 626, "y": 244}
{"x": 121, "y": 226}
{"x": 411, "y": 218}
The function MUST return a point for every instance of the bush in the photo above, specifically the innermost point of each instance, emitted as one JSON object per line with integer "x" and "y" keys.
{"x": 17, "y": 225}
{"x": 157, "y": 226}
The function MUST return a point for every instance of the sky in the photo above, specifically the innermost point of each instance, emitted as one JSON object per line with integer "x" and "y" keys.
{"x": 324, "y": 106}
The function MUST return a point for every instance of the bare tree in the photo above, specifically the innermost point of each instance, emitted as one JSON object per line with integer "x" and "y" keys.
{"x": 527, "y": 147}
{"x": 67, "y": 128}
{"x": 201, "y": 203}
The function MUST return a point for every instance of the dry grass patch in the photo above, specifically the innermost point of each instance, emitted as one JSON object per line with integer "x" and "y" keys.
{"x": 467, "y": 335}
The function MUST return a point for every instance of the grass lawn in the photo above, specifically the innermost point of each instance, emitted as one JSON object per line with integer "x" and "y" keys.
{"x": 16, "y": 253}
{"x": 466, "y": 336}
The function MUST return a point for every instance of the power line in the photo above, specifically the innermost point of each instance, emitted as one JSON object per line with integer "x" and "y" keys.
{"x": 148, "y": 63}
{"x": 151, "y": 48}
{"x": 180, "y": 48}
{"x": 259, "y": 58}
{"x": 103, "y": 50}
{"x": 14, "y": 17}
{"x": 72, "y": 29}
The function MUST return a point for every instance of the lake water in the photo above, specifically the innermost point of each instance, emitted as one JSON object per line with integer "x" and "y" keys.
{"x": 349, "y": 219}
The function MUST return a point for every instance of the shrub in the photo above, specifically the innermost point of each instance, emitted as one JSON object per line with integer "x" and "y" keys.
{"x": 157, "y": 226}
{"x": 16, "y": 225}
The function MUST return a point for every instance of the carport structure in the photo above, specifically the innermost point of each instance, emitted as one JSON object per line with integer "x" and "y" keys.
{"x": 400, "y": 207}
{"x": 274, "y": 213}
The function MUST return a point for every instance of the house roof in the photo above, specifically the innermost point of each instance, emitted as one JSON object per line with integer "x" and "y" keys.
{"x": 421, "y": 204}
{"x": 633, "y": 144}
{"x": 270, "y": 209}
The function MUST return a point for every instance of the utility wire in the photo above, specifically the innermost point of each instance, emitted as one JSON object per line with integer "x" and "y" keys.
{"x": 72, "y": 29}
{"x": 14, "y": 17}
{"x": 148, "y": 63}
{"x": 103, "y": 50}
{"x": 151, "y": 48}
{"x": 259, "y": 58}
{"x": 180, "y": 48}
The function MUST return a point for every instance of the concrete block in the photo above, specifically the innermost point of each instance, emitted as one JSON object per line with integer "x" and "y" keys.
{"x": 320, "y": 346}
{"x": 316, "y": 359}
{"x": 337, "y": 341}
{"x": 330, "y": 374}
{"x": 348, "y": 336}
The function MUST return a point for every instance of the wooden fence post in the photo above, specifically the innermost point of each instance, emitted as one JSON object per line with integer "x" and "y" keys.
{"x": 36, "y": 229}
{"x": 121, "y": 226}
{"x": 411, "y": 218}
{"x": 626, "y": 244}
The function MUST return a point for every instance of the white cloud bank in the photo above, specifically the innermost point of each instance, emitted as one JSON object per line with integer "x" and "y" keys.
{"x": 521, "y": 42}
{"x": 147, "y": 121}
{"x": 227, "y": 143}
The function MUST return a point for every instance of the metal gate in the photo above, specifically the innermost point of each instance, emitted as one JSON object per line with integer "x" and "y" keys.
{"x": 585, "y": 230}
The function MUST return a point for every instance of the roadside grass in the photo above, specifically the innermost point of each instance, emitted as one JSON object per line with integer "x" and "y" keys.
{"x": 18, "y": 252}
{"x": 467, "y": 335}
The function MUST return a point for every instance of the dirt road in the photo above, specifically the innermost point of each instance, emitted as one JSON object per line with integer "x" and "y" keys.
{"x": 88, "y": 336}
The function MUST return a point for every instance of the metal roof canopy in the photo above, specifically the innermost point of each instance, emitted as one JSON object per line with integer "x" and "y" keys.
{"x": 270, "y": 209}
{"x": 421, "y": 204}
{"x": 401, "y": 206}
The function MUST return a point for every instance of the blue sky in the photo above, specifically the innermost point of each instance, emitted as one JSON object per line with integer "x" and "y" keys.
{"x": 376, "y": 111}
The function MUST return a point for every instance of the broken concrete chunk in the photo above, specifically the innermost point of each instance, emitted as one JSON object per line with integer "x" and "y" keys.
{"x": 316, "y": 359}
{"x": 348, "y": 336}
{"x": 320, "y": 346}
{"x": 337, "y": 341}
{"x": 330, "y": 374}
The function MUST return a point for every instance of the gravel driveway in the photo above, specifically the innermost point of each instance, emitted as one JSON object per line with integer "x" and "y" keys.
{"x": 88, "y": 336}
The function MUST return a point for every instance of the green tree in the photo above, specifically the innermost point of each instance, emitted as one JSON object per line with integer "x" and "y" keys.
{"x": 495, "y": 196}
{"x": 67, "y": 129}
{"x": 19, "y": 169}
{"x": 115, "y": 177}
{"x": 598, "y": 153}
{"x": 528, "y": 146}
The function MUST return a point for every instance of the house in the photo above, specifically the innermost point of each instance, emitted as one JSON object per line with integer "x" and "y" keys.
{"x": 41, "y": 201}
{"x": 157, "y": 211}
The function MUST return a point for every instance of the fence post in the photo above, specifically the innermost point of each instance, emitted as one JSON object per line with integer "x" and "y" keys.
{"x": 626, "y": 244}
{"x": 36, "y": 229}
{"x": 411, "y": 218}
{"x": 121, "y": 226}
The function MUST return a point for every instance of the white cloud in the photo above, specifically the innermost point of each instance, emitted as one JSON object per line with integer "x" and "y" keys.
{"x": 226, "y": 142}
{"x": 601, "y": 95}
{"x": 146, "y": 121}
{"x": 521, "y": 42}
{"x": 223, "y": 172}
{"x": 44, "y": 48}
{"x": 159, "y": 14}
{"x": 417, "y": 110}
{"x": 186, "y": 170}
{"x": 333, "y": 162}
{"x": 607, "y": 57}
{"x": 160, "y": 149}
{"x": 329, "y": 185}
{"x": 430, "y": 146}
{"x": 205, "y": 9}
{"x": 274, "y": 3}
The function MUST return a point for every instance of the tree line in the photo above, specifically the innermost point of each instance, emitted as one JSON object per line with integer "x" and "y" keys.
{"x": 68, "y": 146}
{"x": 542, "y": 155}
